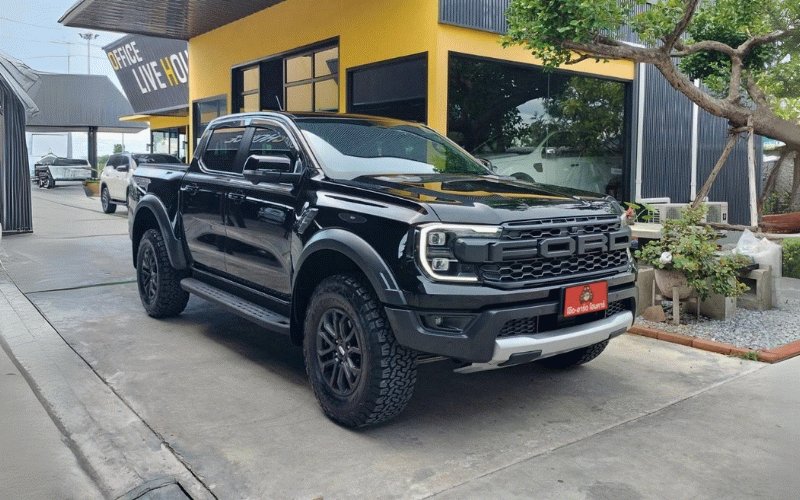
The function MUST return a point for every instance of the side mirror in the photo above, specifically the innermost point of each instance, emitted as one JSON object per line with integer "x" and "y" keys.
{"x": 270, "y": 169}
{"x": 123, "y": 168}
{"x": 488, "y": 164}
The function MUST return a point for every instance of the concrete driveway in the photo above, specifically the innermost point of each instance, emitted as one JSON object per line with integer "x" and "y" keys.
{"x": 231, "y": 403}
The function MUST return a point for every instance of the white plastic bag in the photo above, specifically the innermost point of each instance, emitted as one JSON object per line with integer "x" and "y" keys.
{"x": 764, "y": 252}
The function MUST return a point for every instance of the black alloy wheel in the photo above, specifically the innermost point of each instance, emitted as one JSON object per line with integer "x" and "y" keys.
{"x": 148, "y": 275}
{"x": 339, "y": 352}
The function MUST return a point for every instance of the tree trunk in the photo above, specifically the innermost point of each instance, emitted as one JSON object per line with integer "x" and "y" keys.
{"x": 715, "y": 171}
{"x": 795, "y": 179}
{"x": 769, "y": 186}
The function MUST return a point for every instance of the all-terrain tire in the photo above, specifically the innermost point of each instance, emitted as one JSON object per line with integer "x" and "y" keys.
{"x": 346, "y": 329}
{"x": 576, "y": 357}
{"x": 105, "y": 201}
{"x": 159, "y": 283}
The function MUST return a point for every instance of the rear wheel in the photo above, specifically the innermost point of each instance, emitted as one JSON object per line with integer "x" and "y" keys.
{"x": 576, "y": 357}
{"x": 359, "y": 373}
{"x": 105, "y": 200}
{"x": 159, "y": 283}
{"x": 46, "y": 181}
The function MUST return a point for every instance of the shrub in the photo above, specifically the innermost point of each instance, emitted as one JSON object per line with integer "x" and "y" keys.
{"x": 791, "y": 257}
{"x": 690, "y": 247}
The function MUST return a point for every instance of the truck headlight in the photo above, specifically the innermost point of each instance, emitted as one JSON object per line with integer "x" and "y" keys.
{"x": 437, "y": 255}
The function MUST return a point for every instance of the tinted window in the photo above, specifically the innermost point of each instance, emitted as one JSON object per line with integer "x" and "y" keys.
{"x": 220, "y": 153}
{"x": 155, "y": 158}
{"x": 70, "y": 162}
{"x": 271, "y": 141}
{"x": 112, "y": 161}
{"x": 123, "y": 162}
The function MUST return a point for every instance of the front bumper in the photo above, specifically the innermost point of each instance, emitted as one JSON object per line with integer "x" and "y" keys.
{"x": 484, "y": 336}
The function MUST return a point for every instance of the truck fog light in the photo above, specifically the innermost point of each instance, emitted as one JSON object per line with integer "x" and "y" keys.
{"x": 436, "y": 238}
{"x": 440, "y": 264}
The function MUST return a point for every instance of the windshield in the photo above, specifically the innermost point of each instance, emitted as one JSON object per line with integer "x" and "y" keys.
{"x": 155, "y": 158}
{"x": 350, "y": 148}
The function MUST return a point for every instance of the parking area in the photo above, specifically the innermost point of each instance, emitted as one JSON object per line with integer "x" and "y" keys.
{"x": 232, "y": 403}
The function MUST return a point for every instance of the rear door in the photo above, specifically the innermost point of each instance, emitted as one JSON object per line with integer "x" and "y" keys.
{"x": 259, "y": 218}
{"x": 203, "y": 195}
{"x": 117, "y": 184}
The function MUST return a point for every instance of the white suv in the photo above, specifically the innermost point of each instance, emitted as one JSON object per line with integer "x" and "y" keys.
{"x": 116, "y": 175}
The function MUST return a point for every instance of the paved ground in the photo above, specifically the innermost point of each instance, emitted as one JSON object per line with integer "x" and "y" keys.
{"x": 211, "y": 402}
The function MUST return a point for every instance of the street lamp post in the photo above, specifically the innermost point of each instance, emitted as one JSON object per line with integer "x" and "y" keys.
{"x": 88, "y": 37}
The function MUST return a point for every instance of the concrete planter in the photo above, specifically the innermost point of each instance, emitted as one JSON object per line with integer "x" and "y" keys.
{"x": 669, "y": 279}
{"x": 91, "y": 188}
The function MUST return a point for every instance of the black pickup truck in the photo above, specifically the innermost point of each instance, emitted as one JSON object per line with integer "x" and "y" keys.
{"x": 377, "y": 244}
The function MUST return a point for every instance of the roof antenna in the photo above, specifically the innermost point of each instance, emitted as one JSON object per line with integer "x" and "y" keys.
{"x": 280, "y": 108}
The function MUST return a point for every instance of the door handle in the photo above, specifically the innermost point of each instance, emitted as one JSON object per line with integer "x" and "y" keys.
{"x": 236, "y": 197}
{"x": 190, "y": 189}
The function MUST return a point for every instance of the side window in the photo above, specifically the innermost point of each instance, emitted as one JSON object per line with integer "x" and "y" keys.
{"x": 271, "y": 140}
{"x": 112, "y": 162}
{"x": 221, "y": 150}
{"x": 122, "y": 161}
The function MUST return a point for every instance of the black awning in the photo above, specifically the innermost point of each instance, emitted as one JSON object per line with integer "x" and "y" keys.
{"x": 74, "y": 103}
{"x": 181, "y": 19}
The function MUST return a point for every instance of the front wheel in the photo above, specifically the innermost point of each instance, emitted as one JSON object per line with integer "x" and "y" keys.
{"x": 359, "y": 373}
{"x": 105, "y": 200}
{"x": 576, "y": 357}
{"x": 159, "y": 283}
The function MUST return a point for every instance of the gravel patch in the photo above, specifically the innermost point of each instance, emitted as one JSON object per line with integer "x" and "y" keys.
{"x": 757, "y": 330}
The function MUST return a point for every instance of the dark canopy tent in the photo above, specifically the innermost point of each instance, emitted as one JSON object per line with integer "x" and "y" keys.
{"x": 45, "y": 102}
{"x": 16, "y": 80}
{"x": 80, "y": 103}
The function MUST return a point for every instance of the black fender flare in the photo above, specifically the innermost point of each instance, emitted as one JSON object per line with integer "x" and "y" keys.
{"x": 363, "y": 255}
{"x": 150, "y": 203}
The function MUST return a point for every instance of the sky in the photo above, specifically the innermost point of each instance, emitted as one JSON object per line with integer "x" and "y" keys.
{"x": 30, "y": 32}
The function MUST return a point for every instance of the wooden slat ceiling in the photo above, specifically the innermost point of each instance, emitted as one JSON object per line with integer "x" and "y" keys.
{"x": 180, "y": 19}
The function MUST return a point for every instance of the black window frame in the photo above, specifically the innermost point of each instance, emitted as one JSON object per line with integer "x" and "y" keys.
{"x": 222, "y": 107}
{"x": 264, "y": 102}
{"x": 628, "y": 175}
{"x": 389, "y": 62}
{"x": 238, "y": 160}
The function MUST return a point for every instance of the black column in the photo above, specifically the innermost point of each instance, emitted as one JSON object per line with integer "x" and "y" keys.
{"x": 92, "y": 142}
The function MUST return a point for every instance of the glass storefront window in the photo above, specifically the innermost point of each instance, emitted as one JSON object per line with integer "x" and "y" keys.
{"x": 250, "y": 103}
{"x": 250, "y": 79}
{"x": 553, "y": 128}
{"x": 298, "y": 68}
{"x": 326, "y": 62}
{"x": 299, "y": 98}
{"x": 326, "y": 95}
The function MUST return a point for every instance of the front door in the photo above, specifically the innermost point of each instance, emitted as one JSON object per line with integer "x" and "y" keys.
{"x": 203, "y": 195}
{"x": 260, "y": 217}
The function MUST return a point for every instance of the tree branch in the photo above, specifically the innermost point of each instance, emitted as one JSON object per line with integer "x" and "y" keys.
{"x": 757, "y": 40}
{"x": 734, "y": 94}
{"x": 685, "y": 50}
{"x": 688, "y": 12}
{"x": 756, "y": 93}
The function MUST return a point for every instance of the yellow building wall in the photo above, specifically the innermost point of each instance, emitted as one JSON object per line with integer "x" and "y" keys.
{"x": 160, "y": 122}
{"x": 368, "y": 31}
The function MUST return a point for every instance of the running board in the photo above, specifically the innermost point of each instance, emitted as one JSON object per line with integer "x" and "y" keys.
{"x": 259, "y": 315}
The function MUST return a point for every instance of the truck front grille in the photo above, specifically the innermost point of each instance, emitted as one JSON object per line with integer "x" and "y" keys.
{"x": 542, "y": 268}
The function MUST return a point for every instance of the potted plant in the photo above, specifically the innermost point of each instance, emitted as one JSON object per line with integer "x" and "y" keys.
{"x": 91, "y": 187}
{"x": 687, "y": 257}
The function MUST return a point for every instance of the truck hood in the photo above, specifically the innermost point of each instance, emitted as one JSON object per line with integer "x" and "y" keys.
{"x": 487, "y": 199}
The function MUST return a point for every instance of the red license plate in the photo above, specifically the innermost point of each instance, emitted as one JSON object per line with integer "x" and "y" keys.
{"x": 584, "y": 299}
